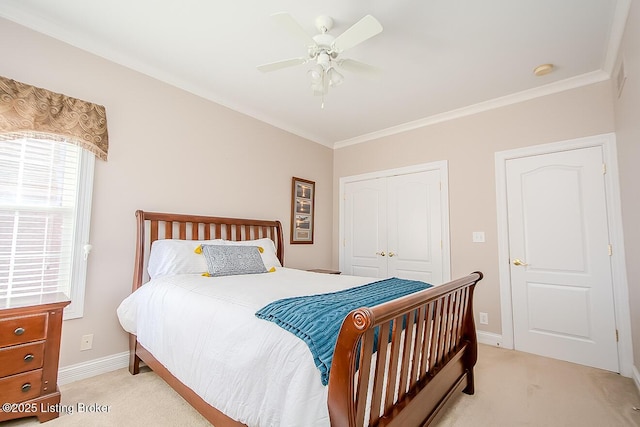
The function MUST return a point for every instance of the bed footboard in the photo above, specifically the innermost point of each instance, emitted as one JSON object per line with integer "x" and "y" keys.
{"x": 424, "y": 349}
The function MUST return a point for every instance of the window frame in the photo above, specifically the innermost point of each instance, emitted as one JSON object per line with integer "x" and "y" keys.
{"x": 82, "y": 225}
{"x": 81, "y": 245}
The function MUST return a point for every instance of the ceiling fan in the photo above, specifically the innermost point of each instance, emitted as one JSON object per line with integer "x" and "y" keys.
{"x": 324, "y": 50}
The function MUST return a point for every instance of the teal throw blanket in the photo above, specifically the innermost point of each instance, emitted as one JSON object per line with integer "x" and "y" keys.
{"x": 316, "y": 319}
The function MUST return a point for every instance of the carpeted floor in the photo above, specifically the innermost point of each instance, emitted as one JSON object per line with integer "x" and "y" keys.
{"x": 521, "y": 389}
{"x": 513, "y": 389}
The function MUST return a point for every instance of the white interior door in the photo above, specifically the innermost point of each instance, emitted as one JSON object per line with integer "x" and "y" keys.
{"x": 561, "y": 279}
{"x": 414, "y": 240}
{"x": 365, "y": 222}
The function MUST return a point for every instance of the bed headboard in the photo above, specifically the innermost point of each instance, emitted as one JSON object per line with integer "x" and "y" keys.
{"x": 157, "y": 225}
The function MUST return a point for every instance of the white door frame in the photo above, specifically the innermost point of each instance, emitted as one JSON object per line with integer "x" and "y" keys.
{"x": 620, "y": 287}
{"x": 441, "y": 166}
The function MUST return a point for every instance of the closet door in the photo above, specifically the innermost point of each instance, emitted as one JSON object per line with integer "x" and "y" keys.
{"x": 414, "y": 227}
{"x": 393, "y": 227}
{"x": 365, "y": 222}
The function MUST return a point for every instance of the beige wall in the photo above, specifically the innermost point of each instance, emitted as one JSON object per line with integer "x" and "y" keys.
{"x": 469, "y": 145}
{"x": 169, "y": 151}
{"x": 627, "y": 109}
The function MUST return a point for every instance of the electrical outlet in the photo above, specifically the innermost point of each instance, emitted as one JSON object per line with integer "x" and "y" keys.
{"x": 87, "y": 342}
{"x": 484, "y": 318}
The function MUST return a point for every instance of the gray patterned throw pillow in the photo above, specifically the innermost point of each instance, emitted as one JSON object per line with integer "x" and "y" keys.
{"x": 228, "y": 260}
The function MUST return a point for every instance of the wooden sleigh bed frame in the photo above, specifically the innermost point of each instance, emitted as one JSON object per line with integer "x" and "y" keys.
{"x": 442, "y": 342}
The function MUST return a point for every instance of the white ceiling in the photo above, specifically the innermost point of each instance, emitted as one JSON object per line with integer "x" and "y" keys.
{"x": 439, "y": 58}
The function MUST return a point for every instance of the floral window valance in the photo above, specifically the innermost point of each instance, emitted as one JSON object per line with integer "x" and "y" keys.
{"x": 36, "y": 112}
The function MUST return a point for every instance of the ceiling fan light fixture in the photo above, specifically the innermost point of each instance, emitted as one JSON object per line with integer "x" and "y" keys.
{"x": 324, "y": 59}
{"x": 315, "y": 73}
{"x": 318, "y": 88}
{"x": 335, "y": 78}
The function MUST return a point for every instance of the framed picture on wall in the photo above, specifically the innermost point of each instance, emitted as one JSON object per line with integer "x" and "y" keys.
{"x": 302, "y": 209}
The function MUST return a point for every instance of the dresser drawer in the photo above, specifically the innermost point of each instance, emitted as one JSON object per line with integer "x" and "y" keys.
{"x": 20, "y": 387}
{"x": 21, "y": 358}
{"x": 18, "y": 330}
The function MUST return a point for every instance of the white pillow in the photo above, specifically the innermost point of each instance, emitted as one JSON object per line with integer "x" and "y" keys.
{"x": 269, "y": 256}
{"x": 169, "y": 257}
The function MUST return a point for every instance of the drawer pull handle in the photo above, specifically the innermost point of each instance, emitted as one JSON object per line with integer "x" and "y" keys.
{"x": 29, "y": 357}
{"x": 19, "y": 331}
{"x": 26, "y": 387}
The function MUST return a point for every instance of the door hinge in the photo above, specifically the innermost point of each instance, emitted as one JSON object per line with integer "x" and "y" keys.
{"x": 610, "y": 250}
{"x": 617, "y": 336}
{"x": 604, "y": 168}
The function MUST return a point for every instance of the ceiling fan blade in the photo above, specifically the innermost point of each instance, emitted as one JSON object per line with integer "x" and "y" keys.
{"x": 287, "y": 22}
{"x": 273, "y": 66}
{"x": 361, "y": 68}
{"x": 362, "y": 30}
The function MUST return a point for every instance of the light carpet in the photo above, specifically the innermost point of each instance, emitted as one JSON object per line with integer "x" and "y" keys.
{"x": 513, "y": 389}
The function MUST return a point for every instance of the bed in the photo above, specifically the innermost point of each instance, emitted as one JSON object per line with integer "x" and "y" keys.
{"x": 237, "y": 369}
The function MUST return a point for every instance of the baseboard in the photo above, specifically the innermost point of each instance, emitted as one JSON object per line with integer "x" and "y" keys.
{"x": 80, "y": 371}
{"x": 636, "y": 377}
{"x": 489, "y": 338}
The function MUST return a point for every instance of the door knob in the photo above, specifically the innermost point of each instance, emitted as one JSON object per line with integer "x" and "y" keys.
{"x": 519, "y": 262}
{"x": 380, "y": 253}
{"x": 391, "y": 254}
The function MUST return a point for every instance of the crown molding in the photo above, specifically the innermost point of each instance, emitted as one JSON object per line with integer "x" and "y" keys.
{"x": 559, "y": 86}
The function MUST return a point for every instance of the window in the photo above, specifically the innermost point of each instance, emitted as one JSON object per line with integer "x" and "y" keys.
{"x": 45, "y": 201}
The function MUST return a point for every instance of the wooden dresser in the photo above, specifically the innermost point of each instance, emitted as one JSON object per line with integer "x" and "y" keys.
{"x": 30, "y": 329}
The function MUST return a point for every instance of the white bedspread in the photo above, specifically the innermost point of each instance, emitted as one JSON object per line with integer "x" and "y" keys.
{"x": 204, "y": 331}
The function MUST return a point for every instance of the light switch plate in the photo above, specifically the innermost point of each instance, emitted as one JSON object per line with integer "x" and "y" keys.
{"x": 478, "y": 236}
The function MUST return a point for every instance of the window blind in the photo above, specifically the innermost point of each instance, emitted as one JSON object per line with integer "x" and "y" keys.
{"x": 38, "y": 202}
